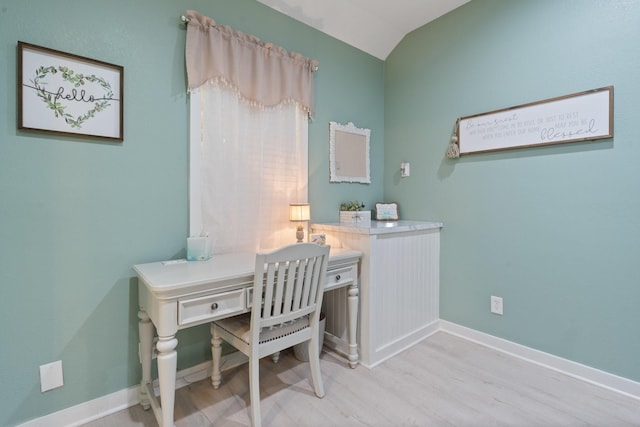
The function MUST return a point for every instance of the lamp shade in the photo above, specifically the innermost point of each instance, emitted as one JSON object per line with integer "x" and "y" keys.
{"x": 299, "y": 212}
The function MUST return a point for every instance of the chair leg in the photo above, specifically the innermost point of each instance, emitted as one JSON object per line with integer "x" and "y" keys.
{"x": 216, "y": 355}
{"x": 254, "y": 391}
{"x": 314, "y": 363}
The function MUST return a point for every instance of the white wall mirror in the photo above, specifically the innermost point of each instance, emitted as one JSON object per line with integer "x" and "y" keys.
{"x": 349, "y": 153}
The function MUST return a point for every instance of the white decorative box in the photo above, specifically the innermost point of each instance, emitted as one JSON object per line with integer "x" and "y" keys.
{"x": 355, "y": 217}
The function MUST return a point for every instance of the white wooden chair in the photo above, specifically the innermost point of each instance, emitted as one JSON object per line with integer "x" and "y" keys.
{"x": 285, "y": 312}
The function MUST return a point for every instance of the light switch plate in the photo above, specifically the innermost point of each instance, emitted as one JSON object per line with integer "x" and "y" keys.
{"x": 405, "y": 169}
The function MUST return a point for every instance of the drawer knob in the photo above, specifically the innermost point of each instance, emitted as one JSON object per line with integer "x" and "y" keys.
{"x": 214, "y": 306}
{"x": 337, "y": 277}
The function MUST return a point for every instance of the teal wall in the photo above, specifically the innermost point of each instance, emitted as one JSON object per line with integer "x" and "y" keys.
{"x": 76, "y": 214}
{"x": 553, "y": 230}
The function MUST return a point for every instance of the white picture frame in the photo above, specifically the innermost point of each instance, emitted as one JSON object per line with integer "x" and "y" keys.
{"x": 349, "y": 153}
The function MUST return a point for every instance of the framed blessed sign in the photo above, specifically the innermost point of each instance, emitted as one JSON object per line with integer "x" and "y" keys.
{"x": 583, "y": 116}
{"x": 68, "y": 94}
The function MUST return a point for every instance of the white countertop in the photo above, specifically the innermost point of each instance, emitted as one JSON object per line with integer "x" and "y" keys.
{"x": 168, "y": 277}
{"x": 377, "y": 227}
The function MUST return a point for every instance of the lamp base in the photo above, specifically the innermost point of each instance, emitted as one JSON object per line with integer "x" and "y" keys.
{"x": 300, "y": 234}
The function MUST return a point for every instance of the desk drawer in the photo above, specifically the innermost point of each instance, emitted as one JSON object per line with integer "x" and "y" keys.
{"x": 210, "y": 307}
{"x": 335, "y": 278}
{"x": 340, "y": 276}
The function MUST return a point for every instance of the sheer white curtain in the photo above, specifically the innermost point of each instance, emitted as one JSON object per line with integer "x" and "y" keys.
{"x": 250, "y": 103}
{"x": 250, "y": 164}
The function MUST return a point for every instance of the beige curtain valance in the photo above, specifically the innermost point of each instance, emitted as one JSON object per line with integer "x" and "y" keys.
{"x": 261, "y": 72}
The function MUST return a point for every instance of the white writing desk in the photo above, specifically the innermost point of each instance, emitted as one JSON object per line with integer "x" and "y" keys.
{"x": 174, "y": 296}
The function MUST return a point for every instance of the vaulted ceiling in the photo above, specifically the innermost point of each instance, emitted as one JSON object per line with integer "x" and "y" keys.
{"x": 373, "y": 26}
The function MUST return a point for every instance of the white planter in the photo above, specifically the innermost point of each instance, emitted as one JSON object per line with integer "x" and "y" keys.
{"x": 355, "y": 217}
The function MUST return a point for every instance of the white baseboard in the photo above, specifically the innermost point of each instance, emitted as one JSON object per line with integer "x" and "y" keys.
{"x": 88, "y": 411}
{"x": 114, "y": 402}
{"x": 123, "y": 399}
{"x": 399, "y": 345}
{"x": 576, "y": 370}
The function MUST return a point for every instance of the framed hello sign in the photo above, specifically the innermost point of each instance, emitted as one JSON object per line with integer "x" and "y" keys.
{"x": 68, "y": 94}
{"x": 584, "y": 116}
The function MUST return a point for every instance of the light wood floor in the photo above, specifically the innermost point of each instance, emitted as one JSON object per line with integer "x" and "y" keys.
{"x": 443, "y": 381}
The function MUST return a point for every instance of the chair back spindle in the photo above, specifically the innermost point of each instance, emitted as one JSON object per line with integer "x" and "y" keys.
{"x": 291, "y": 285}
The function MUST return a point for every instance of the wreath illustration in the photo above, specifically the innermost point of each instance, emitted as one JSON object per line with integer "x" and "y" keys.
{"x": 77, "y": 80}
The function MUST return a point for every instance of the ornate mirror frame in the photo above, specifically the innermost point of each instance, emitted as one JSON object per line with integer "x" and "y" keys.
{"x": 349, "y": 153}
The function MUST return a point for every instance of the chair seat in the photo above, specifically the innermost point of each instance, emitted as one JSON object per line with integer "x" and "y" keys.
{"x": 240, "y": 327}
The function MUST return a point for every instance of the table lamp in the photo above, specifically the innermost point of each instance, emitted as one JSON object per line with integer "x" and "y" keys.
{"x": 299, "y": 212}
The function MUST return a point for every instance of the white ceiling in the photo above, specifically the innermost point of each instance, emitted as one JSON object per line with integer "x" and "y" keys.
{"x": 374, "y": 26}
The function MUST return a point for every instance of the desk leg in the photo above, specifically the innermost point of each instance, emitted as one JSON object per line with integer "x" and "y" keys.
{"x": 352, "y": 307}
{"x": 167, "y": 364}
{"x": 216, "y": 355}
{"x": 145, "y": 332}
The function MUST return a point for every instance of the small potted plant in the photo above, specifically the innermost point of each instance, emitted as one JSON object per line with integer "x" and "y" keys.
{"x": 352, "y": 213}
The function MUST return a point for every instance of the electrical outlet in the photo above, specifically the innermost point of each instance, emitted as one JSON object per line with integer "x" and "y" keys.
{"x": 496, "y": 305}
{"x": 51, "y": 376}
